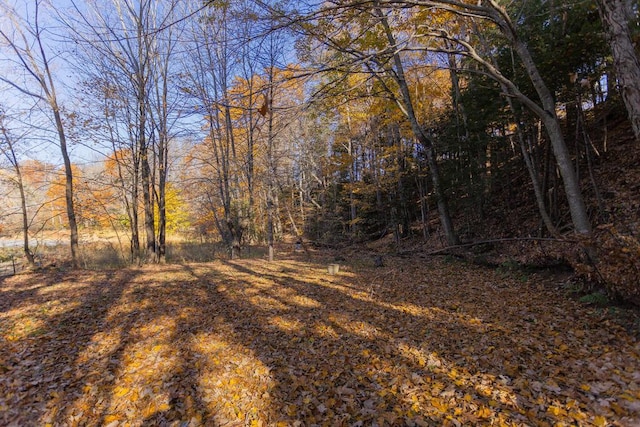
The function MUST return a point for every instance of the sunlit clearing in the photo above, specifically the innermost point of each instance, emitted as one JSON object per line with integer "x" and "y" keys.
{"x": 62, "y": 286}
{"x": 303, "y": 301}
{"x": 98, "y": 349}
{"x": 326, "y": 331}
{"x": 285, "y": 324}
{"x": 267, "y": 303}
{"x": 24, "y": 327}
{"x": 232, "y": 382}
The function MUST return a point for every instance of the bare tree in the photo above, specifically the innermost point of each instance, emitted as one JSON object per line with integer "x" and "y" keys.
{"x": 163, "y": 106}
{"x": 26, "y": 45}
{"x": 129, "y": 43}
{"x": 213, "y": 62}
{"x": 8, "y": 149}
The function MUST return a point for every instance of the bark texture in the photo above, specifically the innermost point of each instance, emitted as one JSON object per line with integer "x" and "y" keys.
{"x": 614, "y": 15}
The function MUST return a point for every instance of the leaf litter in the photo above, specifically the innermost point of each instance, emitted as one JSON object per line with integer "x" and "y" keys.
{"x": 252, "y": 343}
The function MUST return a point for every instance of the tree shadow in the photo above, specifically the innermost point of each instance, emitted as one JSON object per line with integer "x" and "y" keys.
{"x": 502, "y": 358}
{"x": 43, "y": 366}
{"x": 244, "y": 341}
{"x": 340, "y": 356}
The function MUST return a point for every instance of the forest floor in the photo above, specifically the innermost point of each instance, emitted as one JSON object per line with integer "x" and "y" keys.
{"x": 232, "y": 343}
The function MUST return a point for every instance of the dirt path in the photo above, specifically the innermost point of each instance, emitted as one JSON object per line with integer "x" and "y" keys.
{"x": 251, "y": 343}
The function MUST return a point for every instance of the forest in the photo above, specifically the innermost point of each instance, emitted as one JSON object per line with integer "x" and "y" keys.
{"x": 358, "y": 212}
{"x": 245, "y": 123}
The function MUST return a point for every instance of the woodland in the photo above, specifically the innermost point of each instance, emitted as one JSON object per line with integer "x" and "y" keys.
{"x": 299, "y": 213}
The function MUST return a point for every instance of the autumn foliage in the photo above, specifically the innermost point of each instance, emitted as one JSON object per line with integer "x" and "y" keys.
{"x": 618, "y": 264}
{"x": 419, "y": 342}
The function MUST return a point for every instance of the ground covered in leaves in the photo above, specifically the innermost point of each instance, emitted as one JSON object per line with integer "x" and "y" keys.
{"x": 417, "y": 342}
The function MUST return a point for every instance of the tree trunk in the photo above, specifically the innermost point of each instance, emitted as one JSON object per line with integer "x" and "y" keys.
{"x": 423, "y": 139}
{"x": 25, "y": 219}
{"x": 145, "y": 176}
{"x": 133, "y": 212}
{"x": 162, "y": 199}
{"x": 71, "y": 213}
{"x": 615, "y": 19}
{"x": 537, "y": 189}
{"x": 577, "y": 207}
{"x": 11, "y": 155}
{"x": 547, "y": 114}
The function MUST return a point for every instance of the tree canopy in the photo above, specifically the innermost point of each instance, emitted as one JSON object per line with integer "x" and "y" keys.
{"x": 337, "y": 122}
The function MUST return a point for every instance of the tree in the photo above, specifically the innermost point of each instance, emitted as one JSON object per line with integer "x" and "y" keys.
{"x": 27, "y": 45}
{"x": 371, "y": 47}
{"x": 130, "y": 54}
{"x": 418, "y": 130}
{"x": 8, "y": 149}
{"x": 615, "y": 15}
{"x": 211, "y": 67}
{"x": 163, "y": 116}
{"x": 544, "y": 107}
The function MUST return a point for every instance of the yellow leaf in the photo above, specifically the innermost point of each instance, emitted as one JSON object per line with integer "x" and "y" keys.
{"x": 149, "y": 410}
{"x": 578, "y": 416}
{"x": 120, "y": 391}
{"x": 483, "y": 412}
{"x": 585, "y": 387}
{"x": 110, "y": 418}
{"x": 556, "y": 411}
{"x": 439, "y": 405}
{"x": 600, "y": 421}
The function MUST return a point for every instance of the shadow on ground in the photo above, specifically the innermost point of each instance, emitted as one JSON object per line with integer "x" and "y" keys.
{"x": 254, "y": 343}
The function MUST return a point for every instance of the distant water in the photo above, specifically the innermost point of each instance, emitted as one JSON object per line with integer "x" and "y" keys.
{"x": 17, "y": 243}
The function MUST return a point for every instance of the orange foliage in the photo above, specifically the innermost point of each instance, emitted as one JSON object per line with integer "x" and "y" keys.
{"x": 90, "y": 204}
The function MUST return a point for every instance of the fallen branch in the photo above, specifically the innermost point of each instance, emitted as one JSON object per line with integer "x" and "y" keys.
{"x": 484, "y": 242}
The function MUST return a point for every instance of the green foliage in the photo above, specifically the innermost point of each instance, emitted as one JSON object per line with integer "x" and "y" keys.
{"x": 513, "y": 269}
{"x": 596, "y": 298}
